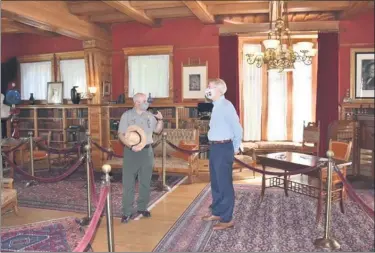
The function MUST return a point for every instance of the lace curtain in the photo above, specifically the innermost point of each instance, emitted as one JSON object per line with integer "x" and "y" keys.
{"x": 73, "y": 73}
{"x": 34, "y": 78}
{"x": 149, "y": 74}
{"x": 252, "y": 96}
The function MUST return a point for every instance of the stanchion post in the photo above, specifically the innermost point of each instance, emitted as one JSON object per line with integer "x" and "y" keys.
{"x": 86, "y": 220}
{"x": 31, "y": 152}
{"x": 164, "y": 186}
{"x": 327, "y": 242}
{"x": 106, "y": 168}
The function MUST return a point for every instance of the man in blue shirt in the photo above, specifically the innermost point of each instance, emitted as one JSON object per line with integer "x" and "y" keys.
{"x": 225, "y": 136}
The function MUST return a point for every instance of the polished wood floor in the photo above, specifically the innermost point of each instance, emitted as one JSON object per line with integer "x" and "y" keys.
{"x": 138, "y": 235}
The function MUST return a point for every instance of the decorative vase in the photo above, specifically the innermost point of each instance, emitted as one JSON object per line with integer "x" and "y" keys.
{"x": 31, "y": 99}
{"x": 149, "y": 99}
{"x": 74, "y": 95}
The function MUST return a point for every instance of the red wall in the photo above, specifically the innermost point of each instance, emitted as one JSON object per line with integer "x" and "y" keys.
{"x": 189, "y": 37}
{"x": 355, "y": 33}
{"x": 28, "y": 44}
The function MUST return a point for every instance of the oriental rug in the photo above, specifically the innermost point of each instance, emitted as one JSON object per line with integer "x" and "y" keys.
{"x": 278, "y": 224}
{"x": 60, "y": 235}
{"x": 71, "y": 194}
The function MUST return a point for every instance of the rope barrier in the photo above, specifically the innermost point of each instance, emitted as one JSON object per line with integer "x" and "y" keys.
{"x": 16, "y": 147}
{"x": 352, "y": 194}
{"x": 82, "y": 245}
{"x": 42, "y": 179}
{"x": 62, "y": 151}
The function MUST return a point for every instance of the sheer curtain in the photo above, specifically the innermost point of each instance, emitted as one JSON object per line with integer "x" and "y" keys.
{"x": 149, "y": 74}
{"x": 34, "y": 78}
{"x": 73, "y": 73}
{"x": 252, "y": 96}
{"x": 302, "y": 98}
{"x": 277, "y": 106}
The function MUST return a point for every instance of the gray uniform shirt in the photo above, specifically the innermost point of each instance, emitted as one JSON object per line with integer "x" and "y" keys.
{"x": 146, "y": 121}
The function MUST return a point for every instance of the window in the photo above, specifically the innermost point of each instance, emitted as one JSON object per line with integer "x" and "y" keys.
{"x": 72, "y": 73}
{"x": 149, "y": 70}
{"x": 149, "y": 74}
{"x": 275, "y": 105}
{"x": 35, "y": 72}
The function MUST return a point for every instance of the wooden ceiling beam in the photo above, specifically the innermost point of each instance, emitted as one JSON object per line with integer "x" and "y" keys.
{"x": 175, "y": 12}
{"x": 114, "y": 17}
{"x": 54, "y": 16}
{"x": 200, "y": 11}
{"x": 355, "y": 8}
{"x": 293, "y": 26}
{"x": 136, "y": 14}
{"x": 22, "y": 28}
{"x": 89, "y": 8}
{"x": 149, "y": 5}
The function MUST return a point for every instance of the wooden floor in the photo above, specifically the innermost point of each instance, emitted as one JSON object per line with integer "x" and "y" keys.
{"x": 138, "y": 235}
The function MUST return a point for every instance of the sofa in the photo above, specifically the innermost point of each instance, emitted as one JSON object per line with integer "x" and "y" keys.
{"x": 176, "y": 162}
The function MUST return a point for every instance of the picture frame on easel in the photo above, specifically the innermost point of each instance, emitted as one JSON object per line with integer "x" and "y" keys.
{"x": 194, "y": 80}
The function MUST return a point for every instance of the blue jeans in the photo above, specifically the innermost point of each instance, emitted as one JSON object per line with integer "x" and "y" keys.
{"x": 221, "y": 162}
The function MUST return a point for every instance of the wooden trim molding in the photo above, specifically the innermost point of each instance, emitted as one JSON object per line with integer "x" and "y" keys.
{"x": 151, "y": 50}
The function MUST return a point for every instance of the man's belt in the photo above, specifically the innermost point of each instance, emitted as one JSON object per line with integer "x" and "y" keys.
{"x": 219, "y": 142}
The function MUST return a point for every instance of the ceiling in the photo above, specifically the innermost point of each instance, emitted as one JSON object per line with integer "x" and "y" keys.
{"x": 93, "y": 19}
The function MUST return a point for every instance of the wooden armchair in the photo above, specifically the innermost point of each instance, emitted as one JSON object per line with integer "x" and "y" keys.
{"x": 342, "y": 151}
{"x": 311, "y": 136}
{"x": 8, "y": 196}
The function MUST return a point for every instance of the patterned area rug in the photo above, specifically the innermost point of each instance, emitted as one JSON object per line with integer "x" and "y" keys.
{"x": 278, "y": 224}
{"x": 70, "y": 194}
{"x": 61, "y": 235}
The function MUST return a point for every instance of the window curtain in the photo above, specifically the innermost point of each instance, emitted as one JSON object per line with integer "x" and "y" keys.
{"x": 149, "y": 74}
{"x": 34, "y": 78}
{"x": 228, "y": 52}
{"x": 252, "y": 96}
{"x": 73, "y": 73}
{"x": 277, "y": 106}
{"x": 327, "y": 87}
{"x": 302, "y": 98}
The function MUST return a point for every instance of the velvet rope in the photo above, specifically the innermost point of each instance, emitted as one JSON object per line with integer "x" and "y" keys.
{"x": 92, "y": 181}
{"x": 16, "y": 147}
{"x": 279, "y": 174}
{"x": 111, "y": 153}
{"x": 42, "y": 179}
{"x": 187, "y": 151}
{"x": 82, "y": 245}
{"x": 353, "y": 195}
{"x": 58, "y": 150}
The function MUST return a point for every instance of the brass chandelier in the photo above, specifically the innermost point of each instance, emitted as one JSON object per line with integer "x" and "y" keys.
{"x": 279, "y": 54}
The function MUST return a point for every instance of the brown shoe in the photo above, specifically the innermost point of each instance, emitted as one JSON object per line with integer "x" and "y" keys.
{"x": 210, "y": 218}
{"x": 223, "y": 225}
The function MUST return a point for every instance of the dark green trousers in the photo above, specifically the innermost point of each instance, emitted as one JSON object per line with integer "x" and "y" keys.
{"x": 136, "y": 164}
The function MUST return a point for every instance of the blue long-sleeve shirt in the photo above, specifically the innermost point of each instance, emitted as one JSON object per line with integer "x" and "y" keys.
{"x": 224, "y": 123}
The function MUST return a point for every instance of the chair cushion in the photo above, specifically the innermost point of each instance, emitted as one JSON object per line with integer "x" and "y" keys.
{"x": 277, "y": 145}
{"x": 183, "y": 155}
{"x": 40, "y": 154}
{"x": 171, "y": 163}
{"x": 248, "y": 146}
{"x": 7, "y": 196}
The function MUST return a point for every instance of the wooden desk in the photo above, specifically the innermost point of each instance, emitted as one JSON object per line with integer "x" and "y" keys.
{"x": 291, "y": 161}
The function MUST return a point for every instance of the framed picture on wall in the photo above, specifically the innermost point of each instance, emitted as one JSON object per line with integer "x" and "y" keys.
{"x": 55, "y": 92}
{"x": 194, "y": 81}
{"x": 107, "y": 88}
{"x": 362, "y": 75}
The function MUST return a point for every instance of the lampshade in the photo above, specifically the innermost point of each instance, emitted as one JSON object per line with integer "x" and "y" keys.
{"x": 271, "y": 44}
{"x": 92, "y": 90}
{"x": 305, "y": 45}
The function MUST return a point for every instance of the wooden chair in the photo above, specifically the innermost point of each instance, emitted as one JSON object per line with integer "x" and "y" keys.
{"x": 8, "y": 196}
{"x": 342, "y": 151}
{"x": 311, "y": 136}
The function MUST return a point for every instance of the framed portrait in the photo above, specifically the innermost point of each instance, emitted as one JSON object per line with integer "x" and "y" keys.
{"x": 55, "y": 92}
{"x": 106, "y": 88}
{"x": 362, "y": 75}
{"x": 194, "y": 81}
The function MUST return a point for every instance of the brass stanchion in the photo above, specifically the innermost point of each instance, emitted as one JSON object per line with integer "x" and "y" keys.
{"x": 86, "y": 220}
{"x": 32, "y": 172}
{"x": 327, "y": 242}
{"x": 162, "y": 184}
{"x": 106, "y": 168}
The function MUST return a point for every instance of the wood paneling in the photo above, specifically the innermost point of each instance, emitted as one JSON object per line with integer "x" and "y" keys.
{"x": 200, "y": 10}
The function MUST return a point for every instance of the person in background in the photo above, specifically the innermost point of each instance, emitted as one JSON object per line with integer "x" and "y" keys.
{"x": 225, "y": 136}
{"x": 138, "y": 162}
